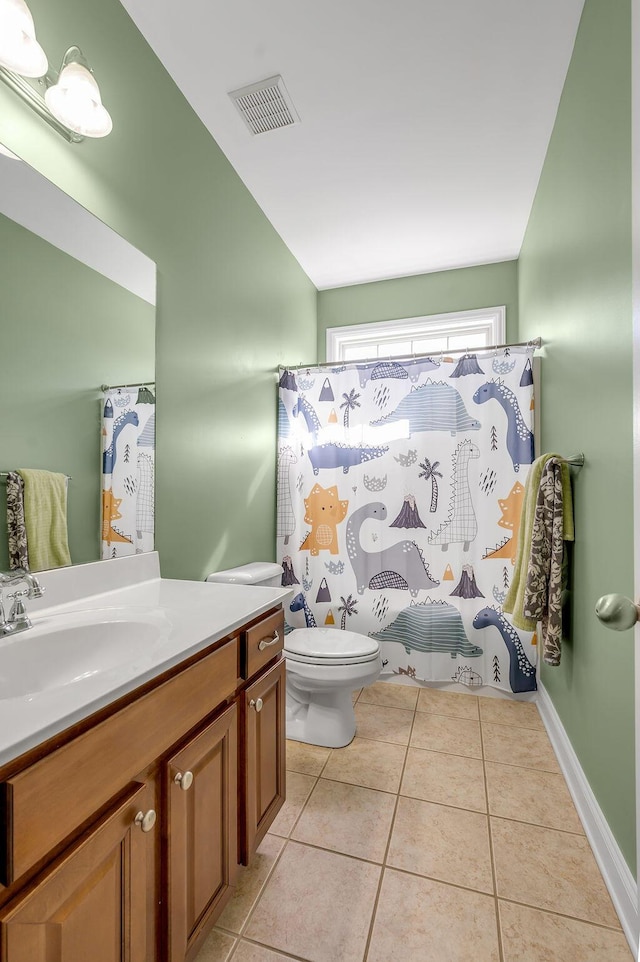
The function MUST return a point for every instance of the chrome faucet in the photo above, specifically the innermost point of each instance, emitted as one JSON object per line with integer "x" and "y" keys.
{"x": 17, "y": 620}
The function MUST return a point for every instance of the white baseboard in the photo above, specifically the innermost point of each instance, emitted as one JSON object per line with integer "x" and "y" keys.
{"x": 615, "y": 871}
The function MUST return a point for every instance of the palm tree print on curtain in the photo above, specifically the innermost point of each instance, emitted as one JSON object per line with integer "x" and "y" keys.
{"x": 394, "y": 513}
{"x": 128, "y": 470}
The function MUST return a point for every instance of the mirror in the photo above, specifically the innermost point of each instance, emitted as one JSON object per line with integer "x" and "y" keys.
{"x": 78, "y": 312}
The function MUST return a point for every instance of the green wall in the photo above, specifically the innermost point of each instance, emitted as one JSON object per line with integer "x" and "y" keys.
{"x": 65, "y": 331}
{"x": 575, "y": 291}
{"x": 231, "y": 297}
{"x": 464, "y": 289}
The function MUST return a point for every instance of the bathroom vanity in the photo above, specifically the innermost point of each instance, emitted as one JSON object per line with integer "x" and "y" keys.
{"x": 123, "y": 830}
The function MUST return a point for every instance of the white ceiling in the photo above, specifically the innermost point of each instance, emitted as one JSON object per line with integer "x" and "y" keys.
{"x": 424, "y": 123}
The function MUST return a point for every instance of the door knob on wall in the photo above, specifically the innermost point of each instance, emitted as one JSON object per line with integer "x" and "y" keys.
{"x": 617, "y": 612}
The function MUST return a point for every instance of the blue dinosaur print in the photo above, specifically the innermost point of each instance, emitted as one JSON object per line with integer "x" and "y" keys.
{"x": 401, "y": 565}
{"x": 312, "y": 420}
{"x": 299, "y": 603}
{"x": 519, "y": 437}
{"x": 341, "y": 456}
{"x": 109, "y": 456}
{"x": 430, "y": 626}
{"x": 435, "y": 406}
{"x": 375, "y": 370}
{"x": 522, "y": 674}
{"x": 418, "y": 365}
{"x": 147, "y": 437}
{"x": 284, "y": 425}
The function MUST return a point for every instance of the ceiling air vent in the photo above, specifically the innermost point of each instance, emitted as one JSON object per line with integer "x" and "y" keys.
{"x": 265, "y": 106}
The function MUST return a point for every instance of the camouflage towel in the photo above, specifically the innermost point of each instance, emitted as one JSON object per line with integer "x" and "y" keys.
{"x": 545, "y": 572}
{"x": 16, "y": 528}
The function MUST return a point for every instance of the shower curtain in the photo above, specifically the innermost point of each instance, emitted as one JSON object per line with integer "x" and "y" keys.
{"x": 400, "y": 488}
{"x": 128, "y": 469}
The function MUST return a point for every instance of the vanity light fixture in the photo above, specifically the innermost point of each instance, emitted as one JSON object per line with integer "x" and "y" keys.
{"x": 19, "y": 49}
{"x": 74, "y": 99}
{"x": 72, "y": 104}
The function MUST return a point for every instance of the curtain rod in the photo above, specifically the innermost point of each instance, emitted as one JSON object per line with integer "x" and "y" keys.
{"x": 114, "y": 387}
{"x": 535, "y": 343}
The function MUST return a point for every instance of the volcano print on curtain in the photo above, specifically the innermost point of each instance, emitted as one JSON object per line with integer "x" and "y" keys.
{"x": 400, "y": 489}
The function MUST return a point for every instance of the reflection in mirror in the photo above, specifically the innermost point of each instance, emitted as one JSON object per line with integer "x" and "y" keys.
{"x": 78, "y": 312}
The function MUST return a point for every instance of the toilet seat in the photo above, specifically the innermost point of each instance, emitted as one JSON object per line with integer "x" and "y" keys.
{"x": 330, "y": 646}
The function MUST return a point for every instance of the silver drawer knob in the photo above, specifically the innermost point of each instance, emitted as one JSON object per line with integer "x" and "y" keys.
{"x": 146, "y": 820}
{"x": 257, "y": 704}
{"x": 267, "y": 642}
{"x": 184, "y": 780}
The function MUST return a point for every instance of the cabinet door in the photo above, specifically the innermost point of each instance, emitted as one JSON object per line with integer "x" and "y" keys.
{"x": 91, "y": 903}
{"x": 263, "y": 756}
{"x": 201, "y": 793}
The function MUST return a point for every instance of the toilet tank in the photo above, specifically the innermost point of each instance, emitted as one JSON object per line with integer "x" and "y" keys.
{"x": 256, "y": 573}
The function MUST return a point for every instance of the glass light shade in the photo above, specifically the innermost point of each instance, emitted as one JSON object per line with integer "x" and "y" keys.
{"x": 19, "y": 49}
{"x": 75, "y": 101}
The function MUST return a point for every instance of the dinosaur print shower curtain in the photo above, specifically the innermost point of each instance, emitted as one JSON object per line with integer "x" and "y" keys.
{"x": 128, "y": 469}
{"x": 400, "y": 488}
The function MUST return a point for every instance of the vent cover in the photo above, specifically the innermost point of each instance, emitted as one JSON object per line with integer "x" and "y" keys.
{"x": 265, "y": 105}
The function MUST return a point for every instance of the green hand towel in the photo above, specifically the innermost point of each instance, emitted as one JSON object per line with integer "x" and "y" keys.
{"x": 514, "y": 602}
{"x": 45, "y": 515}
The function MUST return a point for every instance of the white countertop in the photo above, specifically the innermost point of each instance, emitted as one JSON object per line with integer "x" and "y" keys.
{"x": 194, "y": 615}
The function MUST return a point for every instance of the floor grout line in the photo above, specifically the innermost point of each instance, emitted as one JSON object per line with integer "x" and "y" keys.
{"x": 563, "y": 915}
{"x": 494, "y": 873}
{"x": 260, "y": 893}
{"x": 384, "y": 865}
{"x": 386, "y": 851}
{"x": 546, "y": 828}
{"x": 261, "y": 945}
{"x": 299, "y": 815}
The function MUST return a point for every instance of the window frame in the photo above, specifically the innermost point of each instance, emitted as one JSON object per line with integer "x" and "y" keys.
{"x": 455, "y": 323}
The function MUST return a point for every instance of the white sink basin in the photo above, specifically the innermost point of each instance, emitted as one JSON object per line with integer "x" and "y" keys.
{"x": 66, "y": 649}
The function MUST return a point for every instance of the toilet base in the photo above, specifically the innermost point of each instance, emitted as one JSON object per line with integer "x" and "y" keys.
{"x": 319, "y": 704}
{"x": 329, "y": 720}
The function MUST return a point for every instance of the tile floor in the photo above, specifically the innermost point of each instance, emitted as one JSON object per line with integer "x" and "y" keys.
{"x": 418, "y": 843}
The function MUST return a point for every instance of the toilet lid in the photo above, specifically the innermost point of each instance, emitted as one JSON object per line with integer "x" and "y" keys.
{"x": 320, "y": 644}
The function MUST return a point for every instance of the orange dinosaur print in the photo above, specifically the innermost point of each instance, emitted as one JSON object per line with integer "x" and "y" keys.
{"x": 110, "y": 513}
{"x": 511, "y": 508}
{"x": 323, "y": 511}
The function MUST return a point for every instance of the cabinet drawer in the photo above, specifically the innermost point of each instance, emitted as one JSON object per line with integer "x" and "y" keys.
{"x": 48, "y": 801}
{"x": 262, "y": 642}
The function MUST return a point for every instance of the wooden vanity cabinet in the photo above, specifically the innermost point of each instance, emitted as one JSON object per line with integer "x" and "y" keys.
{"x": 263, "y": 761}
{"x": 200, "y": 788}
{"x": 91, "y": 903}
{"x": 121, "y": 837}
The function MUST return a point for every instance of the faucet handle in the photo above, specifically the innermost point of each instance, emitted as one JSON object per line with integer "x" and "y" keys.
{"x": 18, "y": 614}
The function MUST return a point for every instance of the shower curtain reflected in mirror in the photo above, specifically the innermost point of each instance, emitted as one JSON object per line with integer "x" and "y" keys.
{"x": 400, "y": 489}
{"x": 128, "y": 470}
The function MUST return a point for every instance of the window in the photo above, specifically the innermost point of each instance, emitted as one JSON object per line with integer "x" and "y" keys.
{"x": 434, "y": 333}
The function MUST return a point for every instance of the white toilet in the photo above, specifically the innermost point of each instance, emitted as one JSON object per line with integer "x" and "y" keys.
{"x": 324, "y": 667}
